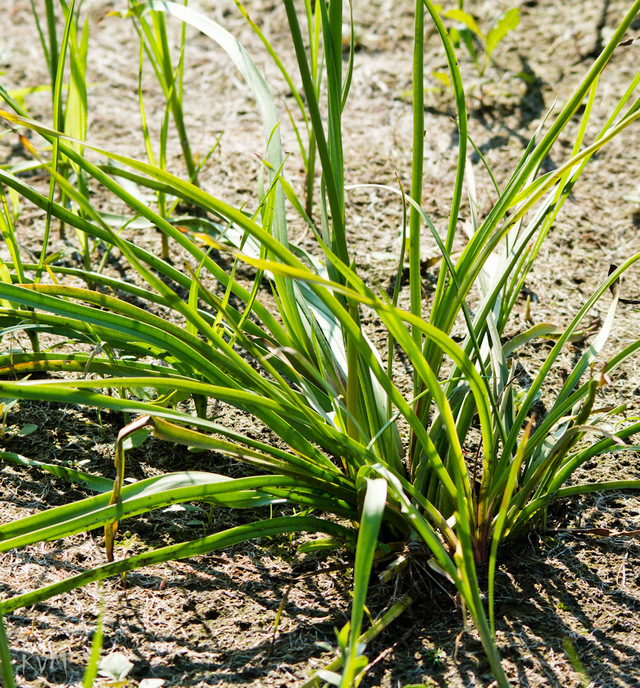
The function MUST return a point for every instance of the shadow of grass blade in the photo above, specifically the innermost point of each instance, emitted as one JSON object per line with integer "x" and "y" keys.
{"x": 269, "y": 528}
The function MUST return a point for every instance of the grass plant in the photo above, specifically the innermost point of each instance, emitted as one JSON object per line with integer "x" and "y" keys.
{"x": 315, "y": 58}
{"x": 154, "y": 42}
{"x": 68, "y": 116}
{"x": 308, "y": 370}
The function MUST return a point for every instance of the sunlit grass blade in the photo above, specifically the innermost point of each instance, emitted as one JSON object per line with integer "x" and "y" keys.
{"x": 157, "y": 47}
{"x": 375, "y": 496}
{"x": 145, "y": 496}
{"x": 306, "y": 458}
{"x": 331, "y": 176}
{"x": 498, "y": 527}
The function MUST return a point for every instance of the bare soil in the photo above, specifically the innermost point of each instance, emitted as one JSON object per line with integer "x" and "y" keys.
{"x": 568, "y": 603}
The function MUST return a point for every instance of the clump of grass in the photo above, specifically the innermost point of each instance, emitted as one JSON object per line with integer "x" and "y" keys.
{"x": 308, "y": 371}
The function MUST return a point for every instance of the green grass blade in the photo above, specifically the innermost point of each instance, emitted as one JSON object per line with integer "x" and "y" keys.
{"x": 268, "y": 528}
{"x": 150, "y": 494}
{"x": 380, "y": 624}
{"x": 6, "y": 669}
{"x": 544, "y": 371}
{"x": 91, "y": 672}
{"x": 93, "y": 482}
{"x": 498, "y": 527}
{"x": 332, "y": 179}
{"x": 372, "y": 510}
{"x": 461, "y": 111}
{"x": 278, "y": 62}
{"x": 417, "y": 165}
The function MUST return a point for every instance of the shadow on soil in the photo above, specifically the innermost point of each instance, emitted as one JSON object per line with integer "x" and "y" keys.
{"x": 209, "y": 620}
{"x": 538, "y": 607}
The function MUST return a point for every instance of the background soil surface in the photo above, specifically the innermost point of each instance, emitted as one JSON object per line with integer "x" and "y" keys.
{"x": 568, "y": 604}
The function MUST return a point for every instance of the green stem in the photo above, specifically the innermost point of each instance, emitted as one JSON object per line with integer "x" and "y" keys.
{"x": 6, "y": 671}
{"x": 53, "y": 46}
{"x": 417, "y": 169}
{"x": 173, "y": 81}
{"x": 311, "y": 173}
{"x": 353, "y": 382}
